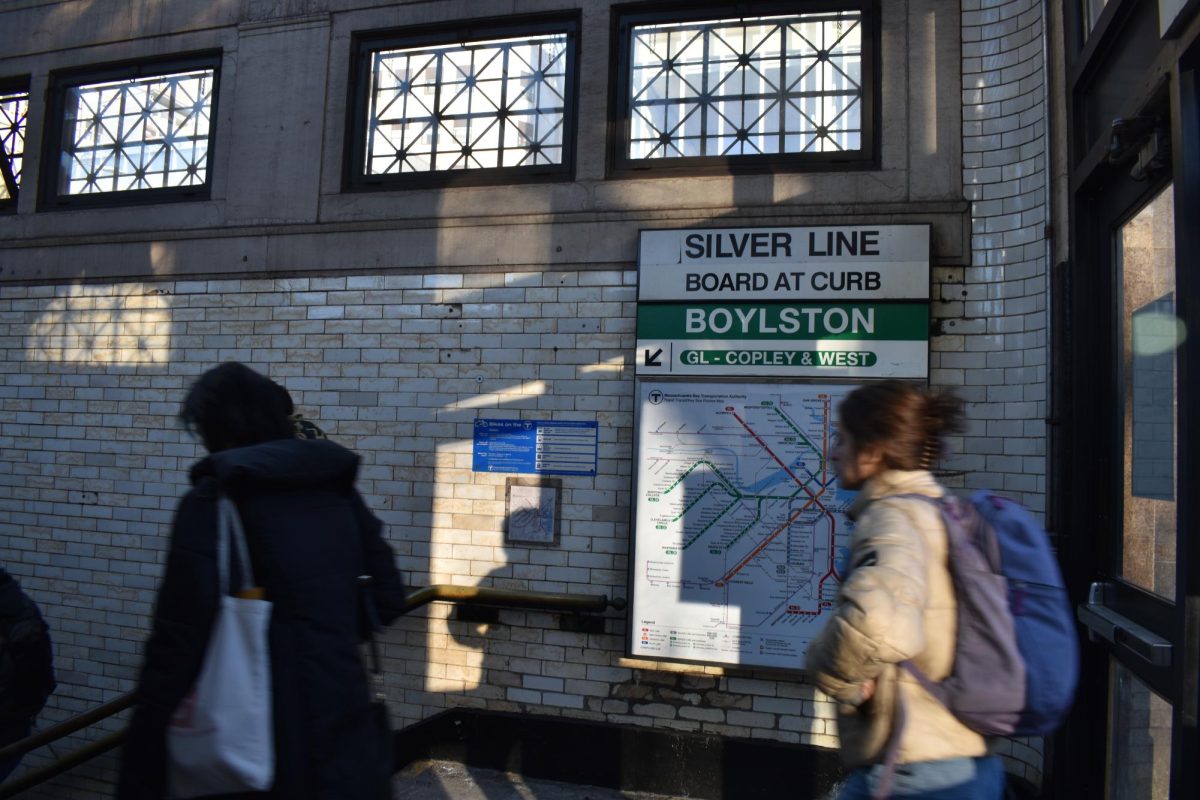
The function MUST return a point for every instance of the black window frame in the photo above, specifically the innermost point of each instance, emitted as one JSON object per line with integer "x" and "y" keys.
{"x": 15, "y": 85}
{"x": 49, "y": 196}
{"x": 465, "y": 32}
{"x": 625, "y": 17}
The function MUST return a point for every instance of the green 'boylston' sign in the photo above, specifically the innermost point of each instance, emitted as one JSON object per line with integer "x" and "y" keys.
{"x": 784, "y": 339}
{"x": 903, "y": 321}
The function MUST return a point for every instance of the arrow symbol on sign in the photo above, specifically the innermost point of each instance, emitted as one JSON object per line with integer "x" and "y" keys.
{"x": 652, "y": 360}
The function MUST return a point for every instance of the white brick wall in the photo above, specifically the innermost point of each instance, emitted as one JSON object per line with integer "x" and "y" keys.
{"x": 998, "y": 357}
{"x": 995, "y": 353}
{"x": 397, "y": 368}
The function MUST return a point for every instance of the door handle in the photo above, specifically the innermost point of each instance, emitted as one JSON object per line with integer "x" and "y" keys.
{"x": 1102, "y": 622}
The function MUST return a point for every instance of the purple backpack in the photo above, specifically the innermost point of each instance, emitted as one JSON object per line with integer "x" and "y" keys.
{"x": 1016, "y": 656}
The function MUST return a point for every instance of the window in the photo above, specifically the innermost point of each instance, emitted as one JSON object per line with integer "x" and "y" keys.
{"x": 1092, "y": 9}
{"x": 484, "y": 105}
{"x": 14, "y": 109}
{"x": 140, "y": 133}
{"x": 788, "y": 86}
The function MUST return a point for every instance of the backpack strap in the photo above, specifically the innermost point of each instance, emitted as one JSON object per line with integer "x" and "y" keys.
{"x": 946, "y": 511}
{"x": 921, "y": 678}
{"x": 891, "y": 754}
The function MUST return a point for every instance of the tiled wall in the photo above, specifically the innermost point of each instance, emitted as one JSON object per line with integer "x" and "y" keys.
{"x": 1001, "y": 360}
{"x": 396, "y": 367}
{"x": 998, "y": 351}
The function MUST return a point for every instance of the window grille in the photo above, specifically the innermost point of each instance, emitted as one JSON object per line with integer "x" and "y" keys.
{"x": 128, "y": 133}
{"x": 779, "y": 89}
{"x": 138, "y": 133}
{"x": 499, "y": 106}
{"x": 14, "y": 109}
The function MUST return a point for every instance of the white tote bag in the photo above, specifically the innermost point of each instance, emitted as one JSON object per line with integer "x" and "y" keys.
{"x": 221, "y": 737}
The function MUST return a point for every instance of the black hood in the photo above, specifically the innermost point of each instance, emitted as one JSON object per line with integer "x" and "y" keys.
{"x": 280, "y": 464}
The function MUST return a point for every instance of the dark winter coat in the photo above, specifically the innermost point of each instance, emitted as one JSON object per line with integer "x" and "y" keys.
{"x": 26, "y": 670}
{"x": 309, "y": 535}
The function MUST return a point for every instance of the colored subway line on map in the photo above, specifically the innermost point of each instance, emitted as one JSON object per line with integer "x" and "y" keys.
{"x": 715, "y": 519}
{"x": 728, "y": 483}
{"x": 753, "y": 522}
{"x": 699, "y": 497}
{"x": 788, "y": 421}
{"x": 814, "y": 499}
{"x": 767, "y": 449}
{"x": 822, "y": 481}
{"x": 762, "y": 545}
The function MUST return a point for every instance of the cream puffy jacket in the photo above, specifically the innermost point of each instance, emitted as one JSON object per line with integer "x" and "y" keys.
{"x": 896, "y": 603}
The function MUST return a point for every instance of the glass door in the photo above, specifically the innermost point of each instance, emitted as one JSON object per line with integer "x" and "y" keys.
{"x": 1132, "y": 503}
{"x": 1133, "y": 391}
{"x": 1140, "y": 741}
{"x": 1126, "y": 393}
{"x": 1148, "y": 334}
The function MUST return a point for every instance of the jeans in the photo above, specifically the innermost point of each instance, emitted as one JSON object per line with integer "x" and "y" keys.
{"x": 950, "y": 779}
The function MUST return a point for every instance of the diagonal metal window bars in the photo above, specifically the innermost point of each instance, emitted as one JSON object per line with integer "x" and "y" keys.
{"x": 750, "y": 86}
{"x": 135, "y": 134}
{"x": 14, "y": 110}
{"x": 488, "y": 104}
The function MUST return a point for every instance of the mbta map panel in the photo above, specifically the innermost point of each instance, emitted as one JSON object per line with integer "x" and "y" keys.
{"x": 741, "y": 528}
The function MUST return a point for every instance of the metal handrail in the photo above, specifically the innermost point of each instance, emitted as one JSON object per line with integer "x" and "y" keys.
{"x": 64, "y": 763}
{"x": 443, "y": 593}
{"x": 66, "y": 727}
{"x": 511, "y": 598}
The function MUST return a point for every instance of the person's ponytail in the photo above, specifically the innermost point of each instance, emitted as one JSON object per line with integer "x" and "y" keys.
{"x": 943, "y": 414}
{"x": 907, "y": 423}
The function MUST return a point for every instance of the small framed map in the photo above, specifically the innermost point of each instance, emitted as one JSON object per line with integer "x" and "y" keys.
{"x": 531, "y": 506}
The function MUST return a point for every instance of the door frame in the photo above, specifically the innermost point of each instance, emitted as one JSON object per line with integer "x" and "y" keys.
{"x": 1085, "y": 506}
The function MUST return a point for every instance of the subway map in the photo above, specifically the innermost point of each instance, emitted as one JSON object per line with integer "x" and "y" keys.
{"x": 741, "y": 528}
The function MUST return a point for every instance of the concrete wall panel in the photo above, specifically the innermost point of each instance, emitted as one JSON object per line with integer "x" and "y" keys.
{"x": 274, "y": 163}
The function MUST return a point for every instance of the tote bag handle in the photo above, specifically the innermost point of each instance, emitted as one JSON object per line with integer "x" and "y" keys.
{"x": 221, "y": 737}
{"x": 229, "y": 529}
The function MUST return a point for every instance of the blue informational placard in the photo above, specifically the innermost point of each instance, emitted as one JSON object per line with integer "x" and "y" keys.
{"x": 535, "y": 447}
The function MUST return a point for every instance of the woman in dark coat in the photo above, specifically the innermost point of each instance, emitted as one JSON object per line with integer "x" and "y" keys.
{"x": 310, "y": 535}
